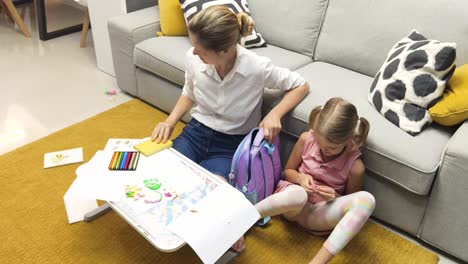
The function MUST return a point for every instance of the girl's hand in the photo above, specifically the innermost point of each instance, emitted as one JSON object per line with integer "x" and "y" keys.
{"x": 162, "y": 132}
{"x": 327, "y": 193}
{"x": 307, "y": 182}
{"x": 271, "y": 126}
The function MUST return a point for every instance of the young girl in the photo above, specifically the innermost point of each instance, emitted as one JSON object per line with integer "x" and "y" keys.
{"x": 323, "y": 179}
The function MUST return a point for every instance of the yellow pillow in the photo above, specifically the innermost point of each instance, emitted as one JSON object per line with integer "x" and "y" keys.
{"x": 171, "y": 19}
{"x": 453, "y": 107}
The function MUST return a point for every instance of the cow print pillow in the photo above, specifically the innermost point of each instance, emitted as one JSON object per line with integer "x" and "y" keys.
{"x": 411, "y": 80}
{"x": 193, "y": 7}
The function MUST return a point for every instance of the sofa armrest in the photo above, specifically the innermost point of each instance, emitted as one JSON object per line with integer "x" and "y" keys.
{"x": 124, "y": 33}
{"x": 458, "y": 147}
{"x": 445, "y": 223}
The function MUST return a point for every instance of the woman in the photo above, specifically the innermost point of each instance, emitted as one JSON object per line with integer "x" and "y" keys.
{"x": 224, "y": 85}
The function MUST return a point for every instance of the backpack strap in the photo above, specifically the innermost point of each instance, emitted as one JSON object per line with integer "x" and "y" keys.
{"x": 277, "y": 160}
{"x": 271, "y": 147}
{"x": 259, "y": 138}
{"x": 244, "y": 145}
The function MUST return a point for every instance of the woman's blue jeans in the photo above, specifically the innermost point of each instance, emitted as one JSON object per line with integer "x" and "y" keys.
{"x": 211, "y": 149}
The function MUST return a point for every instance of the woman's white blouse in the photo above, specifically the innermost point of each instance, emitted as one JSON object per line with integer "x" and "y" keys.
{"x": 233, "y": 105}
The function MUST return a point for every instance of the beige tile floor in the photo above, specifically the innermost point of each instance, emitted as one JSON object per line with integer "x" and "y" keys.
{"x": 47, "y": 86}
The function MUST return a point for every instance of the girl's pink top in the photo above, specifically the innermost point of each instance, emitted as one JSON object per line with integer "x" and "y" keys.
{"x": 333, "y": 173}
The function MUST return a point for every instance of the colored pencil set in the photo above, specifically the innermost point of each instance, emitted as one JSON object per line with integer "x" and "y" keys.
{"x": 124, "y": 160}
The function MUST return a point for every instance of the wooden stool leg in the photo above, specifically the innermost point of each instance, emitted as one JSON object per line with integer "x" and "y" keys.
{"x": 12, "y": 9}
{"x": 84, "y": 31}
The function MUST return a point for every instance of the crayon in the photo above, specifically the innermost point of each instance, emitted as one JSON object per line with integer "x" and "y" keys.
{"x": 111, "y": 164}
{"x": 115, "y": 161}
{"x": 135, "y": 161}
{"x": 116, "y": 167}
{"x": 131, "y": 161}
{"x": 122, "y": 162}
{"x": 129, "y": 158}
{"x": 134, "y": 154}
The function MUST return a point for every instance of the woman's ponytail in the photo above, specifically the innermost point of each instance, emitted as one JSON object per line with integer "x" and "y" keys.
{"x": 246, "y": 24}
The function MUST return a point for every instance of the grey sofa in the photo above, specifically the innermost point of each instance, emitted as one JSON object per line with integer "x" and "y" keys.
{"x": 420, "y": 183}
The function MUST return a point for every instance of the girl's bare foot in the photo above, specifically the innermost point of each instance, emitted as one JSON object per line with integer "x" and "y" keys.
{"x": 239, "y": 245}
{"x": 323, "y": 256}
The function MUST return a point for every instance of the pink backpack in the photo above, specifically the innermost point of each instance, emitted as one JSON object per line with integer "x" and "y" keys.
{"x": 256, "y": 166}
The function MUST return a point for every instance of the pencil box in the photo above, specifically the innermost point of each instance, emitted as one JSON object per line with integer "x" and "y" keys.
{"x": 150, "y": 147}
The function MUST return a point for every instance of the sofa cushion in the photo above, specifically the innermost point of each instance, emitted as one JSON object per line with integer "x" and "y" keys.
{"x": 292, "y": 24}
{"x": 283, "y": 58}
{"x": 358, "y": 34}
{"x": 193, "y": 7}
{"x": 410, "y": 162}
{"x": 411, "y": 80}
{"x": 165, "y": 56}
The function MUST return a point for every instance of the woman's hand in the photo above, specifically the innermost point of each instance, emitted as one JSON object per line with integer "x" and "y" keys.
{"x": 271, "y": 126}
{"x": 162, "y": 132}
{"x": 307, "y": 182}
{"x": 327, "y": 193}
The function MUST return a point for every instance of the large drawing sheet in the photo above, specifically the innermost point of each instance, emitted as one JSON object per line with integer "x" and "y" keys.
{"x": 216, "y": 222}
{"x": 193, "y": 184}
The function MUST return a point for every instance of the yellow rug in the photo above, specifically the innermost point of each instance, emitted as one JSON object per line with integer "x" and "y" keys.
{"x": 34, "y": 226}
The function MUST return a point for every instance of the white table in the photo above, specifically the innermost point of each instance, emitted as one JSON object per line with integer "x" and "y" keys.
{"x": 156, "y": 232}
{"x": 193, "y": 183}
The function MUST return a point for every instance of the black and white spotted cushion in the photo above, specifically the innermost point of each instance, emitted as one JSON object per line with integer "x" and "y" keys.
{"x": 193, "y": 7}
{"x": 411, "y": 80}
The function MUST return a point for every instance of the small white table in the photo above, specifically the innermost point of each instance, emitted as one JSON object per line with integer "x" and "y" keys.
{"x": 149, "y": 224}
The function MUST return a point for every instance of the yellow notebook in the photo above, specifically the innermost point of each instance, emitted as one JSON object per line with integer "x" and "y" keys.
{"x": 150, "y": 147}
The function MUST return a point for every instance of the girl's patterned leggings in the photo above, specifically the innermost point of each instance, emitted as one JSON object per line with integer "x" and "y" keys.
{"x": 343, "y": 216}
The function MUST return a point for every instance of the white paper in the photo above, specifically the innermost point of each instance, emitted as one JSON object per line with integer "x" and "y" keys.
{"x": 98, "y": 182}
{"x": 168, "y": 167}
{"x": 63, "y": 157}
{"x": 216, "y": 222}
{"x": 77, "y": 205}
{"x": 122, "y": 144}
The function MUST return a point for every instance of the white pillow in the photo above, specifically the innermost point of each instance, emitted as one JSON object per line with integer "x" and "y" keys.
{"x": 411, "y": 80}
